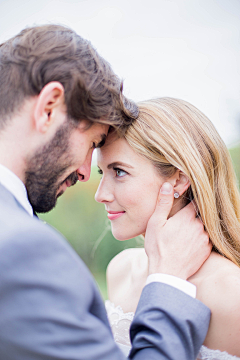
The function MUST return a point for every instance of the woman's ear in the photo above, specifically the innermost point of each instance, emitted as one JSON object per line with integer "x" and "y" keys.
{"x": 49, "y": 102}
{"x": 182, "y": 182}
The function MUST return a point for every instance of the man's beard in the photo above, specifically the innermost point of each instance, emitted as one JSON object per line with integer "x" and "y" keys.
{"x": 46, "y": 167}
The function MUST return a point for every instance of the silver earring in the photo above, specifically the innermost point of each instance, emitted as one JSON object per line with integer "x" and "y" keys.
{"x": 176, "y": 195}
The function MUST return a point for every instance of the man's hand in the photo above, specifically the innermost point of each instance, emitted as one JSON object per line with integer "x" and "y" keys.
{"x": 179, "y": 245}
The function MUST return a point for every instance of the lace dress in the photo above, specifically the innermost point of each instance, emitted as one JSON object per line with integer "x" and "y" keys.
{"x": 120, "y": 323}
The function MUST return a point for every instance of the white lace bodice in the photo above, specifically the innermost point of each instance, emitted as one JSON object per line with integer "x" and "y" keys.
{"x": 120, "y": 323}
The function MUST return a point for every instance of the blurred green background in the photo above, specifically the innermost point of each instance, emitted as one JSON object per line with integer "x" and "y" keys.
{"x": 85, "y": 225}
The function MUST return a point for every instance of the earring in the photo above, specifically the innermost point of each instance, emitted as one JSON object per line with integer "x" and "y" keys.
{"x": 176, "y": 195}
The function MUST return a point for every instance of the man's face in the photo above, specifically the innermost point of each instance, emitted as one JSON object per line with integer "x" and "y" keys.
{"x": 61, "y": 162}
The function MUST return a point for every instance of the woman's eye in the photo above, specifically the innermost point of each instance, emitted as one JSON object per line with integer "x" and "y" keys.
{"x": 100, "y": 171}
{"x": 120, "y": 172}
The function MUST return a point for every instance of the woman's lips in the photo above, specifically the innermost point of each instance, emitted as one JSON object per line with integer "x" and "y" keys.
{"x": 112, "y": 215}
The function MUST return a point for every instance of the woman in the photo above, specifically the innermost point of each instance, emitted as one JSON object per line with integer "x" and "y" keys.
{"x": 173, "y": 141}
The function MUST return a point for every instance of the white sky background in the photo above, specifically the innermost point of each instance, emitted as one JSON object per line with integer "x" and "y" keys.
{"x": 187, "y": 49}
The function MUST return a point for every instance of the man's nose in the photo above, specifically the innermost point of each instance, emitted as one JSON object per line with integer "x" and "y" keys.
{"x": 84, "y": 171}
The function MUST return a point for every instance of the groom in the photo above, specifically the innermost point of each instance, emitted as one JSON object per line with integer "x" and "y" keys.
{"x": 58, "y": 98}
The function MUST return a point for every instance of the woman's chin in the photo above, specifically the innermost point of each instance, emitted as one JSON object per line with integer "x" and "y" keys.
{"x": 123, "y": 237}
{"x": 120, "y": 238}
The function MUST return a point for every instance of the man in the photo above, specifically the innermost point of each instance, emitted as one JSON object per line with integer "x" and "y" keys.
{"x": 57, "y": 100}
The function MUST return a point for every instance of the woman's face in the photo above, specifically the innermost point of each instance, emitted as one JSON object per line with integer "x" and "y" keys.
{"x": 129, "y": 188}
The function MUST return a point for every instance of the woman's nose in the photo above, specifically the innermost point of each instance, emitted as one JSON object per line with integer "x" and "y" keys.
{"x": 104, "y": 193}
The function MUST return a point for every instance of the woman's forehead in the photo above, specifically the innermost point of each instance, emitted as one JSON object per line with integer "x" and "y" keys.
{"x": 115, "y": 148}
{"x": 119, "y": 151}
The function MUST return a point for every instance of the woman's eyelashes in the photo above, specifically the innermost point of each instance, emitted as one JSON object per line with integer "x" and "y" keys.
{"x": 120, "y": 172}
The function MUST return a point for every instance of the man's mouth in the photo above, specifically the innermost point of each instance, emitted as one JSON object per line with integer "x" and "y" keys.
{"x": 71, "y": 179}
{"x": 68, "y": 183}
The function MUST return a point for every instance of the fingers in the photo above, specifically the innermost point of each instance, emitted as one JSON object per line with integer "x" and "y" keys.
{"x": 201, "y": 256}
{"x": 165, "y": 203}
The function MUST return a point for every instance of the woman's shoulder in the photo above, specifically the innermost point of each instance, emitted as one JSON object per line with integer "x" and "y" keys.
{"x": 218, "y": 287}
{"x": 221, "y": 288}
{"x": 217, "y": 271}
{"x": 218, "y": 279}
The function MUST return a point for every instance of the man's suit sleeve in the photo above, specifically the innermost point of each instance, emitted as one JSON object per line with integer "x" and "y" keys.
{"x": 52, "y": 310}
{"x": 168, "y": 324}
{"x": 50, "y": 306}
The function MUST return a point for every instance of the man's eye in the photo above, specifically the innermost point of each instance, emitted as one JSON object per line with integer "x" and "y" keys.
{"x": 100, "y": 171}
{"x": 98, "y": 145}
{"x": 120, "y": 172}
{"x": 102, "y": 142}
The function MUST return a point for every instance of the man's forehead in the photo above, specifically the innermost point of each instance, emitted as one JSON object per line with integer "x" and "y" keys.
{"x": 93, "y": 129}
{"x": 98, "y": 133}
{"x": 102, "y": 130}
{"x": 111, "y": 137}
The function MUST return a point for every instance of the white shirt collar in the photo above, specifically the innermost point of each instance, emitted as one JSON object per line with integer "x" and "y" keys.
{"x": 13, "y": 184}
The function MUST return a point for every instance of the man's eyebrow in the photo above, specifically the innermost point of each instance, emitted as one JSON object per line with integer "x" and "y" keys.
{"x": 102, "y": 141}
{"x": 118, "y": 163}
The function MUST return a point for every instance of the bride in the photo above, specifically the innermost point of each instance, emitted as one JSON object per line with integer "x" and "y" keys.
{"x": 173, "y": 141}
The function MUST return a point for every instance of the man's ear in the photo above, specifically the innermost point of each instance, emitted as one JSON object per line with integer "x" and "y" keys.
{"x": 182, "y": 182}
{"x": 49, "y": 101}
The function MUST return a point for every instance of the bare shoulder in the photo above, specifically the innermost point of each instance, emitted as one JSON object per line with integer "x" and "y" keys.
{"x": 218, "y": 287}
{"x": 216, "y": 277}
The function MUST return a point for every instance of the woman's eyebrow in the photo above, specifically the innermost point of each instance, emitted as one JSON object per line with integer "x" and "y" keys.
{"x": 118, "y": 163}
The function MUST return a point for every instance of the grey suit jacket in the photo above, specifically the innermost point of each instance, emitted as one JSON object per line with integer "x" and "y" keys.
{"x": 50, "y": 307}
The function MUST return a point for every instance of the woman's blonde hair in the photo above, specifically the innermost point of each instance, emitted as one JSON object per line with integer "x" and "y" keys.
{"x": 173, "y": 135}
